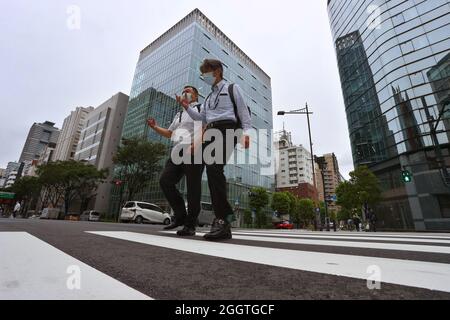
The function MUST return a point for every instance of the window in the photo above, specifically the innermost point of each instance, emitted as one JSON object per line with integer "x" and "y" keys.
{"x": 155, "y": 208}
{"x": 129, "y": 205}
{"x": 144, "y": 206}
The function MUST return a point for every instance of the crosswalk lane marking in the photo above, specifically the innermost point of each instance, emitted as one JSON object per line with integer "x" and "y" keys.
{"x": 343, "y": 237}
{"x": 32, "y": 269}
{"x": 348, "y": 244}
{"x": 428, "y": 275}
{"x": 437, "y": 239}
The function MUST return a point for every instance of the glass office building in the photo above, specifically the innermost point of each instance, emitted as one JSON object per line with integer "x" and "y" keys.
{"x": 393, "y": 58}
{"x": 171, "y": 62}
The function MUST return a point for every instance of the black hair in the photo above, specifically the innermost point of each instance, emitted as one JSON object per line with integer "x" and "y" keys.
{"x": 193, "y": 88}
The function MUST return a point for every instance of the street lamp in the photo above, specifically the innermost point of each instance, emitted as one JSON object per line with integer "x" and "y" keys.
{"x": 304, "y": 111}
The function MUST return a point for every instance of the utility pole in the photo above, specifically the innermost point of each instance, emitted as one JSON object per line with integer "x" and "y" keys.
{"x": 305, "y": 111}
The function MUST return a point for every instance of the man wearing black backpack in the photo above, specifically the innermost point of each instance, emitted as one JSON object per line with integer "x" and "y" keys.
{"x": 182, "y": 131}
{"x": 223, "y": 110}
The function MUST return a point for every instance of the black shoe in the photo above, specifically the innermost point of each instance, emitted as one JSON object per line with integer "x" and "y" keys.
{"x": 220, "y": 230}
{"x": 186, "y": 232}
{"x": 173, "y": 225}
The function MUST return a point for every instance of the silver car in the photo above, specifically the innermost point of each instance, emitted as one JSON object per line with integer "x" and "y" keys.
{"x": 143, "y": 212}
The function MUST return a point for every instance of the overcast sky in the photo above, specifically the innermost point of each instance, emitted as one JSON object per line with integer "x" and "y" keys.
{"x": 48, "y": 69}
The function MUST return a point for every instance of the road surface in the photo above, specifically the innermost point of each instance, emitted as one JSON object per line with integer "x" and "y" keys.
{"x": 42, "y": 259}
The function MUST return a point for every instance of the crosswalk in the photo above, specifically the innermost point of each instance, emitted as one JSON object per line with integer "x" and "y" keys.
{"x": 30, "y": 268}
{"x": 427, "y": 275}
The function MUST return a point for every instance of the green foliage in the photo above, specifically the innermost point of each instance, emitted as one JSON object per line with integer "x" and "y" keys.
{"x": 344, "y": 214}
{"x": 137, "y": 161}
{"x": 306, "y": 210}
{"x": 261, "y": 220}
{"x": 27, "y": 190}
{"x": 362, "y": 188}
{"x": 333, "y": 215}
{"x": 281, "y": 202}
{"x": 67, "y": 180}
{"x": 259, "y": 198}
{"x": 248, "y": 219}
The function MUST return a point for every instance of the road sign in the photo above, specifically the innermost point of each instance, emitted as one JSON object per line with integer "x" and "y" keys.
{"x": 7, "y": 195}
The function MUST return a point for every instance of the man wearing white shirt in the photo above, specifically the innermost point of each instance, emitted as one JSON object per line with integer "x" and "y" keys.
{"x": 182, "y": 131}
{"x": 223, "y": 110}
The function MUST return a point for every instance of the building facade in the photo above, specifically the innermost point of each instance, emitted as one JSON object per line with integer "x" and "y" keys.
{"x": 11, "y": 173}
{"x": 294, "y": 169}
{"x": 2, "y": 177}
{"x": 39, "y": 136}
{"x": 70, "y": 134}
{"x": 98, "y": 143}
{"x": 171, "y": 62}
{"x": 393, "y": 59}
{"x": 329, "y": 180}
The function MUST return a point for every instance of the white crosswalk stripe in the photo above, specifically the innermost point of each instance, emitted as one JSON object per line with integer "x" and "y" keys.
{"x": 420, "y": 274}
{"x": 346, "y": 236}
{"x": 350, "y": 244}
{"x": 31, "y": 269}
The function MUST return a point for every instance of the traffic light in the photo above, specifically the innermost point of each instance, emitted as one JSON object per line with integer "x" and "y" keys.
{"x": 406, "y": 176}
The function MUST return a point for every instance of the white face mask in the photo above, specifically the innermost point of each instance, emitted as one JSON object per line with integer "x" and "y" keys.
{"x": 209, "y": 78}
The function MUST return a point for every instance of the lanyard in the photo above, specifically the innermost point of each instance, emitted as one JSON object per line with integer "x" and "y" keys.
{"x": 216, "y": 102}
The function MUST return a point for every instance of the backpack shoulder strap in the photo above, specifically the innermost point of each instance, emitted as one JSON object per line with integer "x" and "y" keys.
{"x": 233, "y": 100}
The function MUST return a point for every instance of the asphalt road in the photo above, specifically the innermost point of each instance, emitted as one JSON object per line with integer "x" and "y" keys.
{"x": 140, "y": 261}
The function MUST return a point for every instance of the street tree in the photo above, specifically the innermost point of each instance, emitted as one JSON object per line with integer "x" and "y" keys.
{"x": 67, "y": 180}
{"x": 51, "y": 177}
{"x": 137, "y": 161}
{"x": 259, "y": 199}
{"x": 306, "y": 210}
{"x": 281, "y": 202}
{"x": 27, "y": 190}
{"x": 362, "y": 189}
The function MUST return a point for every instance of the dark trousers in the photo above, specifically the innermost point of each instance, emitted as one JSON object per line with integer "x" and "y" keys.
{"x": 170, "y": 177}
{"x": 217, "y": 181}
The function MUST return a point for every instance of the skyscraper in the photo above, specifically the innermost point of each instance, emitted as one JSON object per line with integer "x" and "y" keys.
{"x": 98, "y": 143}
{"x": 171, "y": 62}
{"x": 70, "y": 134}
{"x": 392, "y": 58}
{"x": 39, "y": 136}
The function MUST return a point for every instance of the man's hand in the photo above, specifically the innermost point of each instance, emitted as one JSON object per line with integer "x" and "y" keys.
{"x": 245, "y": 142}
{"x": 152, "y": 123}
{"x": 184, "y": 103}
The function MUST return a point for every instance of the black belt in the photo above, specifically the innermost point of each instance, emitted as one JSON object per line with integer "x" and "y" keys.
{"x": 222, "y": 124}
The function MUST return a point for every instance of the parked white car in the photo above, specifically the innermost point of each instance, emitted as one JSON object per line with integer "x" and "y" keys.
{"x": 92, "y": 216}
{"x": 143, "y": 212}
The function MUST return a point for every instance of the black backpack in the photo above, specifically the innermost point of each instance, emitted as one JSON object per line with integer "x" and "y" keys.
{"x": 231, "y": 94}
